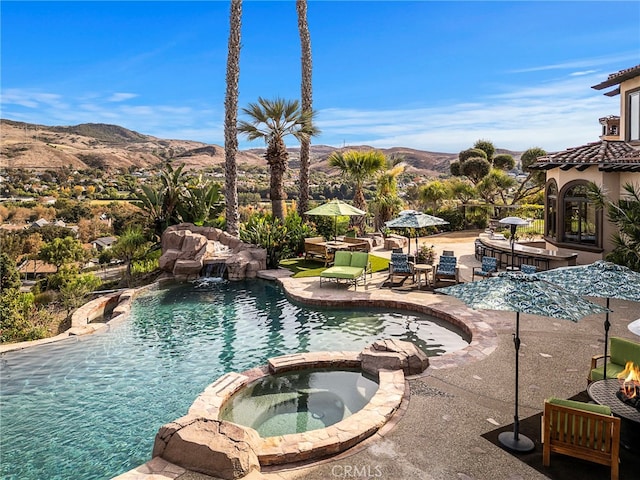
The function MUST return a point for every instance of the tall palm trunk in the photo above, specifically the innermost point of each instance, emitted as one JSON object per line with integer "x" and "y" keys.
{"x": 277, "y": 158}
{"x": 306, "y": 102}
{"x": 231, "y": 118}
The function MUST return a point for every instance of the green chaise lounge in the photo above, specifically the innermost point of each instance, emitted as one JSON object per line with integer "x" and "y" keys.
{"x": 348, "y": 266}
{"x": 621, "y": 351}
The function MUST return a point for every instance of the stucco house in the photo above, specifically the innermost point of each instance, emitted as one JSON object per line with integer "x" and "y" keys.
{"x": 572, "y": 221}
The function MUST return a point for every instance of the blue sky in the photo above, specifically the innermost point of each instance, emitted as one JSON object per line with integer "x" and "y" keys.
{"x": 429, "y": 75}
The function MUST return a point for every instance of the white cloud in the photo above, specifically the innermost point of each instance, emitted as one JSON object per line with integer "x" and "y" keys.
{"x": 554, "y": 115}
{"x": 121, "y": 97}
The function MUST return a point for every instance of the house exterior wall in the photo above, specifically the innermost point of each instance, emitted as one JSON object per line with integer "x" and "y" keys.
{"x": 612, "y": 183}
{"x": 626, "y": 86}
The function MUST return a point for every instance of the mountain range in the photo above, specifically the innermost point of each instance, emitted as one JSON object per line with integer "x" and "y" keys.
{"x": 104, "y": 146}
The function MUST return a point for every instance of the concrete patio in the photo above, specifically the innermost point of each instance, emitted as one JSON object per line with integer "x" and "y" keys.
{"x": 460, "y": 397}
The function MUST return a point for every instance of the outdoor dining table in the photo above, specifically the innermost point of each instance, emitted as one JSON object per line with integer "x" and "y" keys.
{"x": 336, "y": 245}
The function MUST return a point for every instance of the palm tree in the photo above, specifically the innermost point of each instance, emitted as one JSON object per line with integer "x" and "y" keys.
{"x": 625, "y": 215}
{"x": 306, "y": 102}
{"x": 358, "y": 167}
{"x": 272, "y": 120}
{"x": 231, "y": 118}
{"x": 387, "y": 203}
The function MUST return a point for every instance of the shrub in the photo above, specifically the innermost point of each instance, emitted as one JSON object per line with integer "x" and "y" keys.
{"x": 297, "y": 231}
{"x": 269, "y": 233}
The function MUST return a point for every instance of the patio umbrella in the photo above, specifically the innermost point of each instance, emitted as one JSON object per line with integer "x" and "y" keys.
{"x": 414, "y": 219}
{"x": 521, "y": 293}
{"x": 335, "y": 208}
{"x": 599, "y": 279}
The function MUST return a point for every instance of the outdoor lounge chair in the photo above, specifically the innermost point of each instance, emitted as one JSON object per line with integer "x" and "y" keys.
{"x": 399, "y": 265}
{"x": 581, "y": 430}
{"x": 528, "y": 269}
{"x": 348, "y": 266}
{"x": 447, "y": 269}
{"x": 488, "y": 269}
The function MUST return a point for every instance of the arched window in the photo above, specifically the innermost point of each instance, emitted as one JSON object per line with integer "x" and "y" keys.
{"x": 580, "y": 217}
{"x": 551, "y": 215}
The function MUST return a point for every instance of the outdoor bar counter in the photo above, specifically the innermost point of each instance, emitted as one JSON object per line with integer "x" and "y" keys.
{"x": 540, "y": 257}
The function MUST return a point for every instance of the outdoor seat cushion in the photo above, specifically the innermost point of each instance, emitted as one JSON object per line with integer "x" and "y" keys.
{"x": 587, "y": 407}
{"x": 623, "y": 351}
{"x": 400, "y": 263}
{"x": 359, "y": 259}
{"x": 613, "y": 369}
{"x": 447, "y": 265}
{"x": 345, "y": 272}
{"x": 342, "y": 258}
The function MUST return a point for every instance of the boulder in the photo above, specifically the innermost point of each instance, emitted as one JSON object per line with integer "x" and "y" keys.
{"x": 172, "y": 239}
{"x": 187, "y": 268}
{"x": 192, "y": 244}
{"x": 213, "y": 447}
{"x": 187, "y": 247}
{"x": 168, "y": 259}
{"x": 393, "y": 354}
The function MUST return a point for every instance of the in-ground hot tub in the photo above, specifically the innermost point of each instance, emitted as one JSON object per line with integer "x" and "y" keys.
{"x": 299, "y": 401}
{"x": 298, "y": 407}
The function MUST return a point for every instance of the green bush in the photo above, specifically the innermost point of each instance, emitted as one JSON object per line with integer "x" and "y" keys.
{"x": 297, "y": 231}
{"x": 45, "y": 298}
{"x": 269, "y": 233}
{"x": 453, "y": 216}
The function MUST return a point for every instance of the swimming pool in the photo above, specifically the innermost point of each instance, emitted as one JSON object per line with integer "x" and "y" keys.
{"x": 89, "y": 407}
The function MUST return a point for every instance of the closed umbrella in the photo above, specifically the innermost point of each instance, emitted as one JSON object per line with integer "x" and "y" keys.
{"x": 599, "y": 279}
{"x": 335, "y": 208}
{"x": 414, "y": 219}
{"x": 520, "y": 293}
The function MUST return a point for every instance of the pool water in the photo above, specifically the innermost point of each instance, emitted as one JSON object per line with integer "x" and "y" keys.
{"x": 89, "y": 407}
{"x": 299, "y": 401}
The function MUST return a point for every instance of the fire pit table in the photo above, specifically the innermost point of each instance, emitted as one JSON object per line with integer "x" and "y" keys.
{"x": 604, "y": 392}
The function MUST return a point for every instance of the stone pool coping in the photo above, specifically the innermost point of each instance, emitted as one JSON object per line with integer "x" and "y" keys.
{"x": 483, "y": 341}
{"x": 314, "y": 444}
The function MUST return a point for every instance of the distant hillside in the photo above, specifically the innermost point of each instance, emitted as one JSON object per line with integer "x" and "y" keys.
{"x": 99, "y": 145}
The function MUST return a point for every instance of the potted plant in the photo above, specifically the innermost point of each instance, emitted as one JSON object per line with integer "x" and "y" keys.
{"x": 426, "y": 254}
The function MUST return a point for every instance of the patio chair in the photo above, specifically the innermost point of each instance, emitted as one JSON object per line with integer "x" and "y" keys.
{"x": 528, "y": 269}
{"x": 488, "y": 269}
{"x": 447, "y": 269}
{"x": 400, "y": 266}
{"x": 348, "y": 266}
{"x": 581, "y": 430}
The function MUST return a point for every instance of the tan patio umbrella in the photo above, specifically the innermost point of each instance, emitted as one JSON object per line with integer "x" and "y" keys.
{"x": 335, "y": 208}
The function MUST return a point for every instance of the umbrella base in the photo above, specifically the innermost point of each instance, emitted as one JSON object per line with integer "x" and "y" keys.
{"x": 522, "y": 444}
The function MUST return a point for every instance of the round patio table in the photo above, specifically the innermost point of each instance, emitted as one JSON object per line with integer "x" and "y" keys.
{"x": 423, "y": 268}
{"x": 603, "y": 392}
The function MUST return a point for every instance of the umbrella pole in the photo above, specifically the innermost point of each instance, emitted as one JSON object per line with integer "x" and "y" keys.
{"x": 515, "y": 441}
{"x": 607, "y": 324}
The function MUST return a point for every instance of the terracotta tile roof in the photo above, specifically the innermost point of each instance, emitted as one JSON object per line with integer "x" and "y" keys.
{"x": 619, "y": 77}
{"x": 608, "y": 155}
